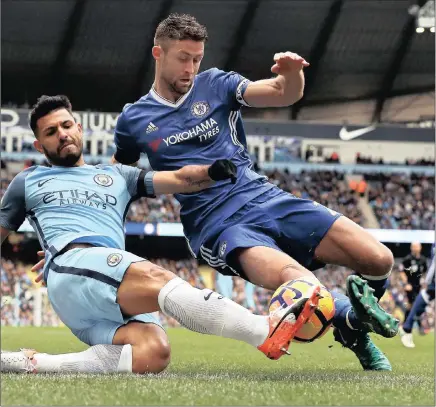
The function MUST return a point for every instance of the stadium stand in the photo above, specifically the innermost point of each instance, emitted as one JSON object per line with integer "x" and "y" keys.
{"x": 400, "y": 201}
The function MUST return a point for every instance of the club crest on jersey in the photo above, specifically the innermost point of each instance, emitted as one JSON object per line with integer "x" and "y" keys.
{"x": 199, "y": 109}
{"x": 222, "y": 250}
{"x": 114, "y": 259}
{"x": 103, "y": 180}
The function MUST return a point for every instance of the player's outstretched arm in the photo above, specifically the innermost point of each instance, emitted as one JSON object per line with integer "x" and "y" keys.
{"x": 283, "y": 90}
{"x": 13, "y": 205}
{"x": 193, "y": 178}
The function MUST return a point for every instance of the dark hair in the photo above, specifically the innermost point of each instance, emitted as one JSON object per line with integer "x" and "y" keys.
{"x": 47, "y": 104}
{"x": 180, "y": 27}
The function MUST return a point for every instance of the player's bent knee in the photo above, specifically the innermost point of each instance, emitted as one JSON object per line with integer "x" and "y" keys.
{"x": 153, "y": 355}
{"x": 382, "y": 261}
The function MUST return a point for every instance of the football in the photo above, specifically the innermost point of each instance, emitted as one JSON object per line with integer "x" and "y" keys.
{"x": 322, "y": 318}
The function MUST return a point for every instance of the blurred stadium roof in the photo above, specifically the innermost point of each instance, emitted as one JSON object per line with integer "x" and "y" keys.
{"x": 99, "y": 51}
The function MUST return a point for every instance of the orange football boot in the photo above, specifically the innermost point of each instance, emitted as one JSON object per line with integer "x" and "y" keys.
{"x": 285, "y": 322}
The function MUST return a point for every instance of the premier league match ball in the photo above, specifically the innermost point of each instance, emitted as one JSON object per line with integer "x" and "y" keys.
{"x": 320, "y": 322}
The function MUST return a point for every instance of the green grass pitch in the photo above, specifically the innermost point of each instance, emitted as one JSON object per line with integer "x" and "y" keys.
{"x": 207, "y": 370}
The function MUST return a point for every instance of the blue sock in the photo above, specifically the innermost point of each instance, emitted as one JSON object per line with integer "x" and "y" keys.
{"x": 345, "y": 319}
{"x": 378, "y": 285}
{"x": 417, "y": 310}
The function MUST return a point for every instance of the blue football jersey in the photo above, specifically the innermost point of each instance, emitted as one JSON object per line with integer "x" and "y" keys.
{"x": 85, "y": 204}
{"x": 202, "y": 126}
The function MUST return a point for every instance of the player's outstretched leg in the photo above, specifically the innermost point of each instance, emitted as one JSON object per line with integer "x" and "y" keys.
{"x": 145, "y": 356}
{"x": 147, "y": 288}
{"x": 137, "y": 347}
{"x": 96, "y": 359}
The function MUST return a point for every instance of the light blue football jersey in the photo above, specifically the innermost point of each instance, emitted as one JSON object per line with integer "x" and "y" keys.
{"x": 86, "y": 204}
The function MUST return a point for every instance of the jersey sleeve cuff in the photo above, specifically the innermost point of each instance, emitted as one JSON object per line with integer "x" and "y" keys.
{"x": 148, "y": 182}
{"x": 240, "y": 90}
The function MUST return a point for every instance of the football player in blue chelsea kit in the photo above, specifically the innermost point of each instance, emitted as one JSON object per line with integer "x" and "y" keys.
{"x": 104, "y": 294}
{"x": 251, "y": 228}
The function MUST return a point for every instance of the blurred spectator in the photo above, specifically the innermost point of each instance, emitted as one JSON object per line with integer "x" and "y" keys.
{"x": 334, "y": 158}
{"x": 361, "y": 187}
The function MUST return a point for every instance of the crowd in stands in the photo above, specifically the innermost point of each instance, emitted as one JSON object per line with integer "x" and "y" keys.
{"x": 16, "y": 294}
{"x": 164, "y": 208}
{"x": 425, "y": 162}
{"x": 402, "y": 201}
{"x": 17, "y": 288}
{"x": 325, "y": 187}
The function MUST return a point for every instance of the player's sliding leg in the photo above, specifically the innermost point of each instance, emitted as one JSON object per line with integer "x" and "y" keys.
{"x": 96, "y": 359}
{"x": 137, "y": 347}
{"x": 143, "y": 348}
{"x": 270, "y": 268}
{"x": 147, "y": 287}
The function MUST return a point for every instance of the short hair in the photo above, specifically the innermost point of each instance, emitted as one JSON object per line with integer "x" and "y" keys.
{"x": 180, "y": 27}
{"x": 47, "y": 104}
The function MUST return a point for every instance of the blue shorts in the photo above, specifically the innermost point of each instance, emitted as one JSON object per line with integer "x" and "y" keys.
{"x": 274, "y": 219}
{"x": 82, "y": 287}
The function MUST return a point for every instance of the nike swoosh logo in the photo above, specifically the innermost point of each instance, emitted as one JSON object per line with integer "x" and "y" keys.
{"x": 41, "y": 183}
{"x": 206, "y": 297}
{"x": 346, "y": 135}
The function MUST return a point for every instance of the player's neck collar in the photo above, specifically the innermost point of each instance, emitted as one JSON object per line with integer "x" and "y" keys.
{"x": 167, "y": 102}
{"x": 75, "y": 166}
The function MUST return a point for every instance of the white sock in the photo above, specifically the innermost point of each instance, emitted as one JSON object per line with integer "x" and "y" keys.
{"x": 207, "y": 312}
{"x": 96, "y": 359}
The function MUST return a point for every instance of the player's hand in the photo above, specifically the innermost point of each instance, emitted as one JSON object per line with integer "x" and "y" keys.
{"x": 39, "y": 266}
{"x": 221, "y": 170}
{"x": 408, "y": 287}
{"x": 286, "y": 62}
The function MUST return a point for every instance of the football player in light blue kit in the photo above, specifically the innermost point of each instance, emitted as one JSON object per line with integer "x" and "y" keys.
{"x": 104, "y": 294}
{"x": 251, "y": 229}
